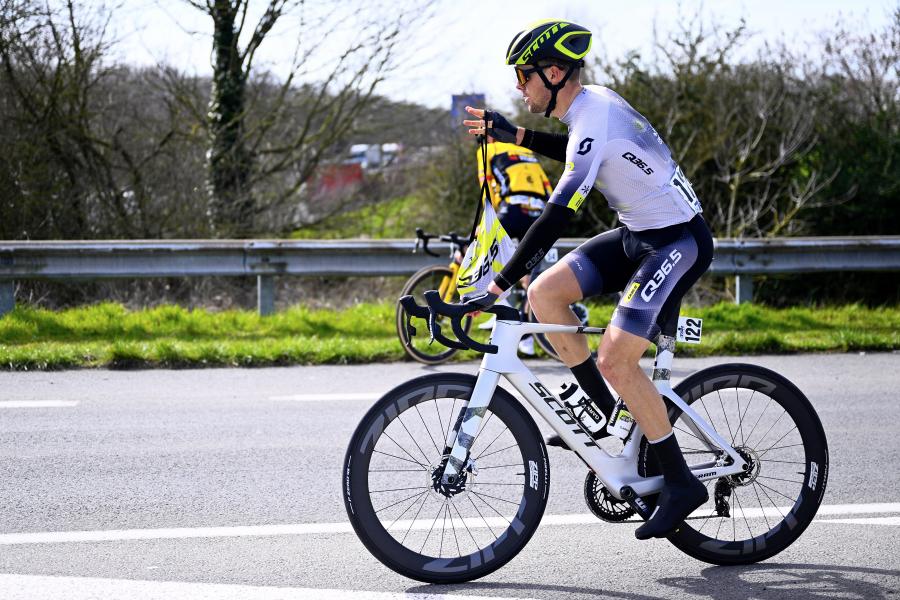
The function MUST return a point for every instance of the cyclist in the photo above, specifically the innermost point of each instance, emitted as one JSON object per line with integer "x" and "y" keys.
{"x": 662, "y": 248}
{"x": 518, "y": 188}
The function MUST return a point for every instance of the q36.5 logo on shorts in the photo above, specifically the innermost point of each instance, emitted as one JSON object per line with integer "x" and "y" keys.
{"x": 660, "y": 275}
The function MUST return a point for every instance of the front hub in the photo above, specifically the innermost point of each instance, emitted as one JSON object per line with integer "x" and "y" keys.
{"x": 451, "y": 488}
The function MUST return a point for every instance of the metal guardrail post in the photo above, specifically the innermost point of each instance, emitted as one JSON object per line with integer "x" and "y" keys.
{"x": 743, "y": 288}
{"x": 7, "y": 297}
{"x": 265, "y": 294}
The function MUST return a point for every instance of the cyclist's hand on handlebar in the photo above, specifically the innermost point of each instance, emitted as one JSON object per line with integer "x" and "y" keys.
{"x": 498, "y": 127}
{"x": 481, "y": 302}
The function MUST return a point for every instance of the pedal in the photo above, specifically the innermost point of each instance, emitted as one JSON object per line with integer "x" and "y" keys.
{"x": 638, "y": 504}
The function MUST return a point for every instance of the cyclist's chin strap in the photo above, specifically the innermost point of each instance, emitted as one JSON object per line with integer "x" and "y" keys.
{"x": 554, "y": 89}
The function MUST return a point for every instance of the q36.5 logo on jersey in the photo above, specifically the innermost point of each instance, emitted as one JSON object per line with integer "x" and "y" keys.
{"x": 585, "y": 146}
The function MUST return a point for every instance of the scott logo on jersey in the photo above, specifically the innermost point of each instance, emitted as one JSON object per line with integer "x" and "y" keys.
{"x": 585, "y": 146}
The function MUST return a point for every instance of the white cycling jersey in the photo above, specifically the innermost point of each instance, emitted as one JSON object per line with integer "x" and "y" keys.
{"x": 613, "y": 148}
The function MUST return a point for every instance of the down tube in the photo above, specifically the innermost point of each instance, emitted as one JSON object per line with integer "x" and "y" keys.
{"x": 552, "y": 411}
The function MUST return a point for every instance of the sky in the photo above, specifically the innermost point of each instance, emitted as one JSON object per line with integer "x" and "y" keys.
{"x": 460, "y": 48}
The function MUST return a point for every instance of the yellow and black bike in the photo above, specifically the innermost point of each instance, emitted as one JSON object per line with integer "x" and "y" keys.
{"x": 434, "y": 277}
{"x": 419, "y": 346}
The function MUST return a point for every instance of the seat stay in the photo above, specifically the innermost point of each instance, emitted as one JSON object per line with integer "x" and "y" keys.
{"x": 704, "y": 431}
{"x": 698, "y": 433}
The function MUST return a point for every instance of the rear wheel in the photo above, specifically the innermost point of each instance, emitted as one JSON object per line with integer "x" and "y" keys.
{"x": 758, "y": 513}
{"x": 419, "y": 346}
{"x": 422, "y": 528}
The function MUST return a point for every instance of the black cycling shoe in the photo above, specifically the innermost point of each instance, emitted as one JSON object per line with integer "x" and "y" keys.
{"x": 675, "y": 503}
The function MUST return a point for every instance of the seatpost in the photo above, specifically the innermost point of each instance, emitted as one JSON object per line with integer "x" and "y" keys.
{"x": 665, "y": 353}
{"x": 665, "y": 346}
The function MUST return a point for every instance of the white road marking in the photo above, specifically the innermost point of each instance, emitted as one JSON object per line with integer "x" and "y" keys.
{"x": 117, "y": 535}
{"x": 865, "y": 521}
{"x": 38, "y": 403}
{"x": 858, "y": 509}
{"x": 41, "y": 587}
{"x": 326, "y": 397}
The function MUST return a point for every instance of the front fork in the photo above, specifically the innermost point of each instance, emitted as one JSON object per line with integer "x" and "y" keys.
{"x": 463, "y": 435}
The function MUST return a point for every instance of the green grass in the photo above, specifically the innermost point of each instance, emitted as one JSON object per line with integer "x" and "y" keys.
{"x": 108, "y": 335}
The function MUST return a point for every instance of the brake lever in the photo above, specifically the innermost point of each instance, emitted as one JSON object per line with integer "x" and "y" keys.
{"x": 436, "y": 334}
{"x": 413, "y": 309}
{"x": 430, "y": 252}
{"x": 456, "y": 312}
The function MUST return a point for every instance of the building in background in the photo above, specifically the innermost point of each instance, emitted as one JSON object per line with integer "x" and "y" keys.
{"x": 458, "y": 105}
{"x": 374, "y": 156}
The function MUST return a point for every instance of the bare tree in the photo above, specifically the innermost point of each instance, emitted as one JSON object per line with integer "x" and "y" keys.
{"x": 266, "y": 138}
{"x": 50, "y": 63}
{"x": 87, "y": 145}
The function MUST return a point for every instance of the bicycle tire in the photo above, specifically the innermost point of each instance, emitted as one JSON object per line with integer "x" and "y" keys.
{"x": 765, "y": 527}
{"x": 516, "y": 490}
{"x": 419, "y": 347}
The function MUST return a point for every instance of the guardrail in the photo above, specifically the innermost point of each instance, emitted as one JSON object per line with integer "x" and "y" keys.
{"x": 266, "y": 259}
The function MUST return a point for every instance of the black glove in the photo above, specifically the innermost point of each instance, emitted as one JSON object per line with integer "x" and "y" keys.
{"x": 499, "y": 128}
{"x": 481, "y": 301}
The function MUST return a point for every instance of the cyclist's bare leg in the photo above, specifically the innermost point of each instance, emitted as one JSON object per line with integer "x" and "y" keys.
{"x": 683, "y": 493}
{"x": 550, "y": 296}
{"x": 617, "y": 359}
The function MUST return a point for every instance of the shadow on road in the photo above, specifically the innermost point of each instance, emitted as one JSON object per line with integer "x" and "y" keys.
{"x": 794, "y": 581}
{"x": 761, "y": 581}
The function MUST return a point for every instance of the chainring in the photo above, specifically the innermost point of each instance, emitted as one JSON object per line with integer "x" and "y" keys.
{"x": 602, "y": 503}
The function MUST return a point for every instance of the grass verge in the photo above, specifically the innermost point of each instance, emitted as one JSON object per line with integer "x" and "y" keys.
{"x": 108, "y": 335}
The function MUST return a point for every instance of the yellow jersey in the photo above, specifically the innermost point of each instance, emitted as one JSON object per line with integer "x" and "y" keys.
{"x": 515, "y": 177}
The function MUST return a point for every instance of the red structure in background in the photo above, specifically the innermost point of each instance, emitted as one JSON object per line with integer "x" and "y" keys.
{"x": 336, "y": 177}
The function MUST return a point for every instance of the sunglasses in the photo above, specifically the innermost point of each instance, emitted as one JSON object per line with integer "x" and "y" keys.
{"x": 523, "y": 75}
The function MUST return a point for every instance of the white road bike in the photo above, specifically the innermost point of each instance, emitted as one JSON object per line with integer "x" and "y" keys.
{"x": 446, "y": 477}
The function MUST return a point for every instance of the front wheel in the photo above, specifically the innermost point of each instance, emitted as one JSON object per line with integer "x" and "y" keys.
{"x": 756, "y": 514}
{"x": 413, "y": 523}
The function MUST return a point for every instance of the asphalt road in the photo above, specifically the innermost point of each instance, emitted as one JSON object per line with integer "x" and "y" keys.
{"x": 225, "y": 483}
